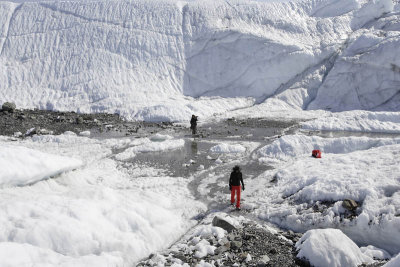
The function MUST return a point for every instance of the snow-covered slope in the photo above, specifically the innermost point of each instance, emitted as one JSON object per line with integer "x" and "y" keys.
{"x": 153, "y": 59}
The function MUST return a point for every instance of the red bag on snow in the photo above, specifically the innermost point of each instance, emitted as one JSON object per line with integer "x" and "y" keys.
{"x": 316, "y": 153}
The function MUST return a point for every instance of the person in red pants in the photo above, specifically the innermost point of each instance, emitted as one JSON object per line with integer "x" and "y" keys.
{"x": 234, "y": 185}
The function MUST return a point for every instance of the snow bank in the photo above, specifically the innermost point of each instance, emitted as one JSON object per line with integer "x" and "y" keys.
{"x": 21, "y": 166}
{"x": 330, "y": 247}
{"x": 357, "y": 121}
{"x": 228, "y": 148}
{"x": 375, "y": 253}
{"x": 290, "y": 146}
{"x": 308, "y": 192}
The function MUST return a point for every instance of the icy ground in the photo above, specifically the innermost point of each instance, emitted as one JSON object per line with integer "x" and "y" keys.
{"x": 114, "y": 201}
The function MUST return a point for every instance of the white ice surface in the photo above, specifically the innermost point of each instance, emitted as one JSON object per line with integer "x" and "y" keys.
{"x": 359, "y": 168}
{"x": 97, "y": 215}
{"x": 21, "y": 166}
{"x": 375, "y": 253}
{"x": 290, "y": 146}
{"x": 393, "y": 262}
{"x": 356, "y": 121}
{"x": 330, "y": 247}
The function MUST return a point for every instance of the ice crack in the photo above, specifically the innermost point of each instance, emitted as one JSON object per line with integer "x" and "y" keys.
{"x": 8, "y": 27}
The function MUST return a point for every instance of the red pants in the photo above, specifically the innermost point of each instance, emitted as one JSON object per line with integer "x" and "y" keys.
{"x": 236, "y": 189}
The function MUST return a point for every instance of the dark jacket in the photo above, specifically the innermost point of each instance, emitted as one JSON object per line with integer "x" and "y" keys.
{"x": 236, "y": 178}
{"x": 193, "y": 122}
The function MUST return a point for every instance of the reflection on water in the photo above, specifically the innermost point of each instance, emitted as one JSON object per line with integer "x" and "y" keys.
{"x": 193, "y": 147}
{"x": 179, "y": 162}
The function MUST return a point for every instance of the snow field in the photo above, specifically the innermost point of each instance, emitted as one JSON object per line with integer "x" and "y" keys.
{"x": 308, "y": 192}
{"x": 96, "y": 215}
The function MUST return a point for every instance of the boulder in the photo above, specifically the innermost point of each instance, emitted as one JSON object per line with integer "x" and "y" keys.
{"x": 79, "y": 120}
{"x": 223, "y": 241}
{"x": 263, "y": 261}
{"x": 220, "y": 250}
{"x": 235, "y": 245}
{"x": 219, "y": 222}
{"x": 32, "y": 131}
{"x": 43, "y": 131}
{"x": 60, "y": 119}
{"x": 8, "y": 106}
{"x": 350, "y": 204}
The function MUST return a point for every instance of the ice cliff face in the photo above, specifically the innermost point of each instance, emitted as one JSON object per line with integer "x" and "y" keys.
{"x": 151, "y": 59}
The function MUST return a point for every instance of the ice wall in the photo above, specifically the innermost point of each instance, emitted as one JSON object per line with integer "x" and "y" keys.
{"x": 367, "y": 73}
{"x": 145, "y": 59}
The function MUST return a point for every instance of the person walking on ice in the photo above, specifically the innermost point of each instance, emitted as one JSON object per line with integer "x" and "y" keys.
{"x": 234, "y": 185}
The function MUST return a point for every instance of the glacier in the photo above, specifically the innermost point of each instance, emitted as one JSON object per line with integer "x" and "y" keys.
{"x": 164, "y": 60}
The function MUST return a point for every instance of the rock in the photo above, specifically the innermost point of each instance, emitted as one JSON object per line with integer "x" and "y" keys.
{"x": 21, "y": 116}
{"x": 243, "y": 255}
{"x": 349, "y": 204}
{"x": 230, "y": 256}
{"x": 179, "y": 255}
{"x": 44, "y": 131}
{"x": 231, "y": 237}
{"x": 17, "y": 134}
{"x": 219, "y": 222}
{"x": 221, "y": 249}
{"x": 32, "y": 131}
{"x": 235, "y": 245}
{"x": 79, "y": 120}
{"x": 9, "y": 106}
{"x": 60, "y": 119}
{"x": 273, "y": 251}
{"x": 248, "y": 236}
{"x": 263, "y": 261}
{"x": 248, "y": 258}
{"x": 223, "y": 241}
